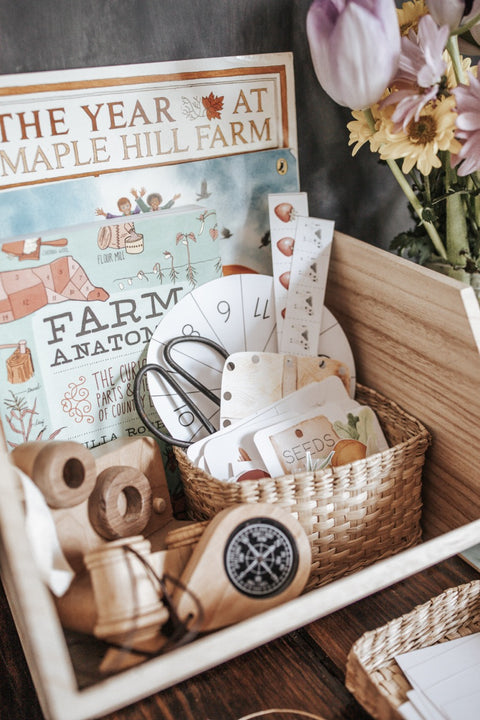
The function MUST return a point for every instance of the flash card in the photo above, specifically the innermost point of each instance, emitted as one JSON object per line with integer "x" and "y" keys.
{"x": 336, "y": 433}
{"x": 284, "y": 211}
{"x": 217, "y": 452}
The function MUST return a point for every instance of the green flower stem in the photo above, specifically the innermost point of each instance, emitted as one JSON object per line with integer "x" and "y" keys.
{"x": 475, "y": 177}
{"x": 456, "y": 222}
{"x": 410, "y": 195}
{"x": 454, "y": 52}
{"x": 463, "y": 28}
{"x": 417, "y": 206}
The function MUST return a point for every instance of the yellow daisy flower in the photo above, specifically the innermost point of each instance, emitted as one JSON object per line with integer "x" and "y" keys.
{"x": 420, "y": 144}
{"x": 409, "y": 15}
{"x": 360, "y": 130}
{"x": 451, "y": 80}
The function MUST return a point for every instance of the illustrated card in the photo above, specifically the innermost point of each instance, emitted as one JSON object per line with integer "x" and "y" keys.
{"x": 284, "y": 210}
{"x": 335, "y": 434}
{"x": 217, "y": 452}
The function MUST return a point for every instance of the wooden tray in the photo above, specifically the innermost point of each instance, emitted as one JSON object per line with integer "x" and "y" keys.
{"x": 414, "y": 334}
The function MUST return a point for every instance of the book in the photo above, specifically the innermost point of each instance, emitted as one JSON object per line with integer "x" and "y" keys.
{"x": 84, "y": 122}
{"x": 101, "y": 171}
{"x": 84, "y": 138}
{"x": 235, "y": 187}
{"x": 77, "y": 309}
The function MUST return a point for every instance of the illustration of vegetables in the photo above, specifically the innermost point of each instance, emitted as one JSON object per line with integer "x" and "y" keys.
{"x": 359, "y": 427}
{"x": 285, "y": 212}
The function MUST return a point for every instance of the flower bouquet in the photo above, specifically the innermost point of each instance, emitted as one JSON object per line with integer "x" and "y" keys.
{"x": 415, "y": 101}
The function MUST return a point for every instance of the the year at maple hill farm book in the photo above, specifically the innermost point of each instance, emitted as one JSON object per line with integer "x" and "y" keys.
{"x": 220, "y": 132}
{"x": 114, "y": 204}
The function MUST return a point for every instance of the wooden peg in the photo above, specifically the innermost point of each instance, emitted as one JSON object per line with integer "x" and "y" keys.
{"x": 64, "y": 471}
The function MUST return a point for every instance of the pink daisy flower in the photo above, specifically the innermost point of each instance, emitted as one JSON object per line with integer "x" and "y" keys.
{"x": 468, "y": 126}
{"x": 420, "y": 71}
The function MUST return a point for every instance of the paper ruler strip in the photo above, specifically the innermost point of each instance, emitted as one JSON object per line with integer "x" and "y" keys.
{"x": 306, "y": 288}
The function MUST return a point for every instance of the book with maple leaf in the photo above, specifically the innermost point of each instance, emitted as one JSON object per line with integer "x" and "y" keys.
{"x": 218, "y": 131}
{"x": 120, "y": 148}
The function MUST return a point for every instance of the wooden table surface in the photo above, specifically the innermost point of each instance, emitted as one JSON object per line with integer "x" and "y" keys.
{"x": 300, "y": 675}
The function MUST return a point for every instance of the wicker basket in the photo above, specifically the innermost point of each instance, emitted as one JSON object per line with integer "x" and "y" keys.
{"x": 374, "y": 677}
{"x": 354, "y": 514}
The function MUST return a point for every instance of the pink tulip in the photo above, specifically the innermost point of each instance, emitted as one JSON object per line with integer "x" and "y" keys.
{"x": 450, "y": 12}
{"x": 355, "y": 48}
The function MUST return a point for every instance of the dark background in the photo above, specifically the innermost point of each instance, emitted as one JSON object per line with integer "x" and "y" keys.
{"x": 357, "y": 193}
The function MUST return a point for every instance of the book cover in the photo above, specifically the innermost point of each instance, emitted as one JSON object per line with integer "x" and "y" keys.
{"x": 77, "y": 309}
{"x": 92, "y": 121}
{"x": 235, "y": 186}
{"x": 96, "y": 168}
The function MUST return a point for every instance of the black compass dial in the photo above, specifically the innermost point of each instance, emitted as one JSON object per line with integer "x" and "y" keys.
{"x": 261, "y": 557}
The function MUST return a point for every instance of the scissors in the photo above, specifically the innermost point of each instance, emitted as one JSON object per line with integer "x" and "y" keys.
{"x": 183, "y": 394}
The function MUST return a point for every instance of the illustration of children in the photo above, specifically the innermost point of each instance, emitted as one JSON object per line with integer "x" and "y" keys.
{"x": 125, "y": 207}
{"x": 154, "y": 201}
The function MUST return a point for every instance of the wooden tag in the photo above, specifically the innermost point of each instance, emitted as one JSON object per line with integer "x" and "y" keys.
{"x": 253, "y": 380}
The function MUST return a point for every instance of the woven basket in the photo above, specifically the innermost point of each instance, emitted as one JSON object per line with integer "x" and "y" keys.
{"x": 354, "y": 514}
{"x": 374, "y": 677}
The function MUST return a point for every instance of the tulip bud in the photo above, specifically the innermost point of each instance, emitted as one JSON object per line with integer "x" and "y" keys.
{"x": 449, "y": 12}
{"x": 355, "y": 48}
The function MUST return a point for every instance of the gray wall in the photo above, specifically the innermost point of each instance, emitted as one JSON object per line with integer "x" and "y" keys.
{"x": 357, "y": 193}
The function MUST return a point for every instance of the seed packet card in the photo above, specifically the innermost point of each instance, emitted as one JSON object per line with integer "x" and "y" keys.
{"x": 218, "y": 452}
{"x": 335, "y": 434}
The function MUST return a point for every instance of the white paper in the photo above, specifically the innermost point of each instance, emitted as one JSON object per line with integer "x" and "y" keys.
{"x": 445, "y": 678}
{"x": 42, "y": 534}
{"x": 240, "y": 434}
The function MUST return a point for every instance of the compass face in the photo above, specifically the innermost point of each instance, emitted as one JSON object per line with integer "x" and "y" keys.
{"x": 261, "y": 558}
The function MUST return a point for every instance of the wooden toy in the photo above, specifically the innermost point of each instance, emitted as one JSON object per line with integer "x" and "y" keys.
{"x": 121, "y": 502}
{"x": 65, "y": 471}
{"x": 249, "y": 558}
{"x": 116, "y": 490}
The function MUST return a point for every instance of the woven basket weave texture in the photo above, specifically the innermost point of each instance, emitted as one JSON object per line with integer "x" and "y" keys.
{"x": 375, "y": 678}
{"x": 353, "y": 515}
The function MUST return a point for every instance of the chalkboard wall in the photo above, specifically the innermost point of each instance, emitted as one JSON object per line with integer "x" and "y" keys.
{"x": 357, "y": 193}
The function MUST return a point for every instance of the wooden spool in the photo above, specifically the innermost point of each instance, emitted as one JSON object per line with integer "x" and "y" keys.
{"x": 65, "y": 471}
{"x": 121, "y": 502}
{"x": 126, "y": 596}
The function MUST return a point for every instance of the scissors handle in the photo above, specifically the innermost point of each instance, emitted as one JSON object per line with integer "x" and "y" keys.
{"x": 186, "y": 375}
{"x": 170, "y": 380}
